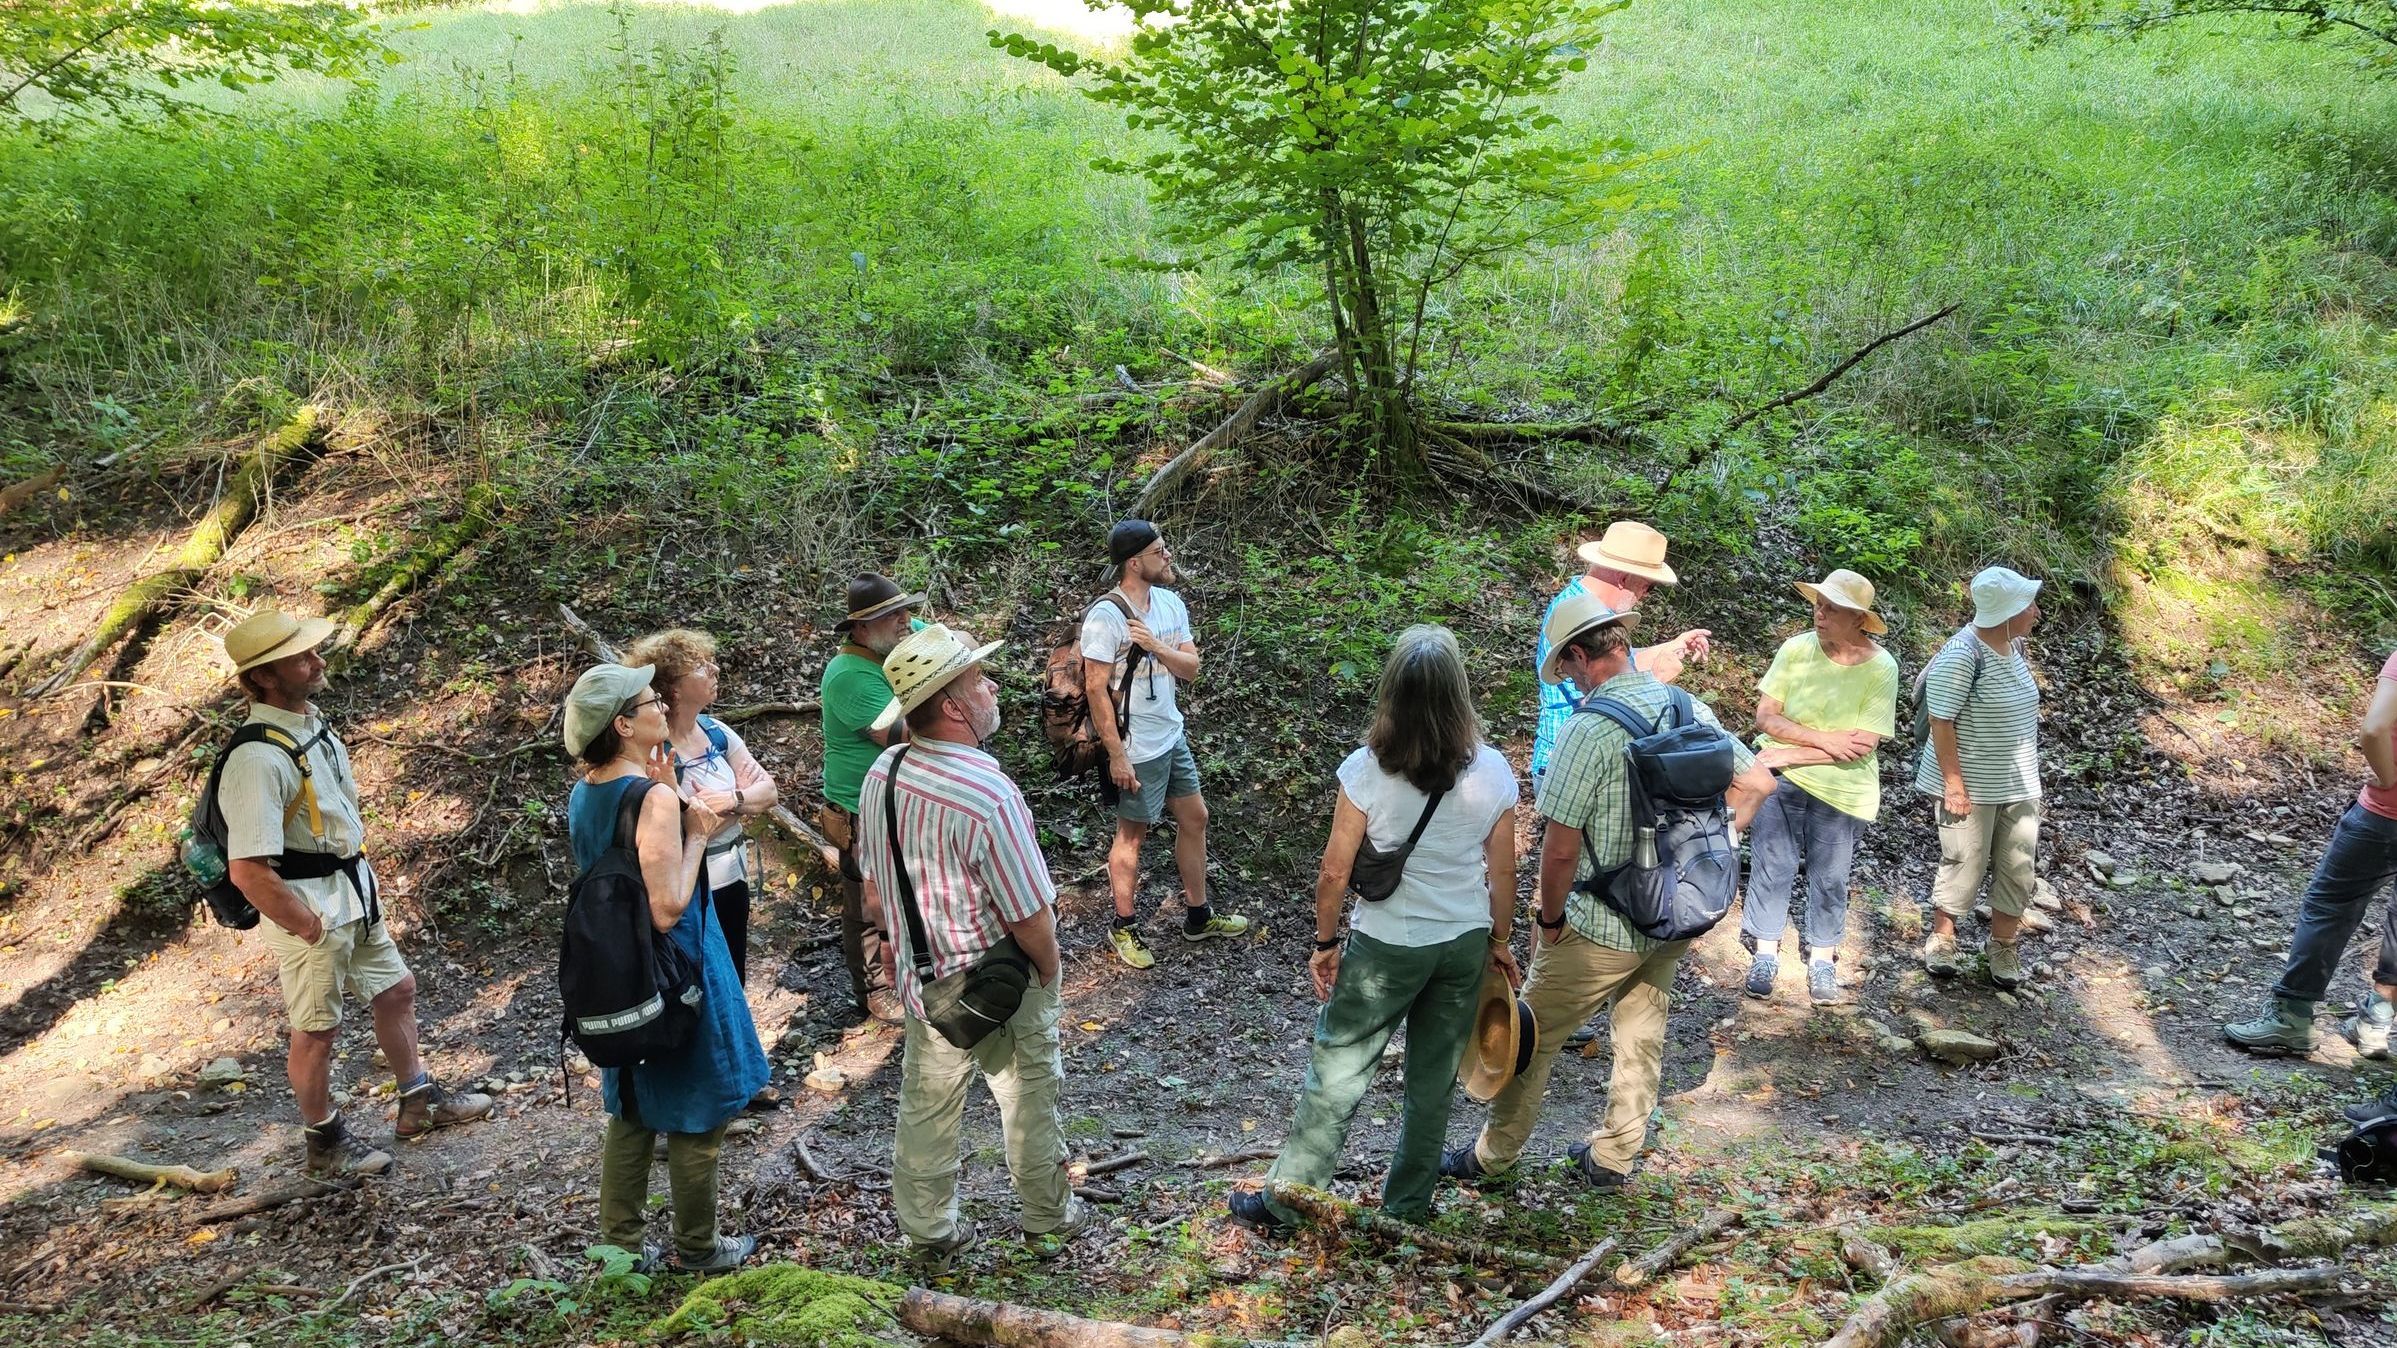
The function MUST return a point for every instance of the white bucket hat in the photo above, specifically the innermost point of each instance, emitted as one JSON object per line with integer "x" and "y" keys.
{"x": 922, "y": 664}
{"x": 1999, "y": 594}
{"x": 1846, "y": 589}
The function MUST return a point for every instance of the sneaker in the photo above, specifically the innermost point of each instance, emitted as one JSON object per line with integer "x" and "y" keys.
{"x": 1250, "y": 1209}
{"x": 2379, "y": 1107}
{"x": 731, "y": 1253}
{"x": 1463, "y": 1164}
{"x": 942, "y": 1254}
{"x": 1217, "y": 924}
{"x": 427, "y": 1107}
{"x": 1761, "y": 972}
{"x": 767, "y": 1098}
{"x": 1051, "y": 1243}
{"x": 1941, "y": 958}
{"x": 1129, "y": 949}
{"x": 2005, "y": 964}
{"x": 1822, "y": 982}
{"x": 1592, "y": 1173}
{"x": 336, "y": 1153}
{"x": 2285, "y": 1027}
{"x": 1581, "y": 1038}
{"x": 2371, "y": 1026}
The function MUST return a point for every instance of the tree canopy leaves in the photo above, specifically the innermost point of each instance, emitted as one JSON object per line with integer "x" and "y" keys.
{"x": 88, "y": 58}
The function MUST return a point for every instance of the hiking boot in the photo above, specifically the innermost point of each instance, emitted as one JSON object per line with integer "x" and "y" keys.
{"x": 1581, "y": 1038}
{"x": 2371, "y": 1025}
{"x": 767, "y": 1098}
{"x": 1822, "y": 983}
{"x": 2379, "y": 1107}
{"x": 2005, "y": 964}
{"x": 1463, "y": 1164}
{"x": 1216, "y": 924}
{"x": 941, "y": 1255}
{"x": 884, "y": 1005}
{"x": 1592, "y": 1173}
{"x": 427, "y": 1107}
{"x": 2285, "y": 1027}
{"x": 731, "y": 1253}
{"x": 1761, "y": 972}
{"x": 1941, "y": 958}
{"x": 1129, "y": 948}
{"x": 1051, "y": 1243}
{"x": 335, "y": 1153}
{"x": 1250, "y": 1209}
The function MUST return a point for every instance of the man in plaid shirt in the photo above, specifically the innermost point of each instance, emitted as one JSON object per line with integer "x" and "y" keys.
{"x": 1585, "y": 954}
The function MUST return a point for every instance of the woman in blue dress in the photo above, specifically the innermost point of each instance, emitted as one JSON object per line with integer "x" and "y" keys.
{"x": 615, "y": 726}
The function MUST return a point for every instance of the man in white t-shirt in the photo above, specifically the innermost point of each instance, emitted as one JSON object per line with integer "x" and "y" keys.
{"x": 1150, "y": 771}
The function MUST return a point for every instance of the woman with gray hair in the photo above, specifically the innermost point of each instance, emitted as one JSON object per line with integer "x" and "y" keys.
{"x": 1424, "y": 832}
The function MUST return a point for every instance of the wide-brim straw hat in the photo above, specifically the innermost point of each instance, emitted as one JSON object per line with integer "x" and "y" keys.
{"x": 1846, "y": 589}
{"x": 1572, "y": 616}
{"x": 874, "y": 596}
{"x": 922, "y": 664}
{"x": 1633, "y": 548}
{"x": 269, "y": 635}
{"x": 1999, "y": 593}
{"x": 1504, "y": 1035}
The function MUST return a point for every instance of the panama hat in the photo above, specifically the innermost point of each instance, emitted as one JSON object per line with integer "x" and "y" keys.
{"x": 1999, "y": 594}
{"x": 1573, "y": 615}
{"x": 1846, "y": 589}
{"x": 872, "y": 596}
{"x": 1504, "y": 1034}
{"x": 1632, "y": 548}
{"x": 269, "y": 635}
{"x": 922, "y": 664}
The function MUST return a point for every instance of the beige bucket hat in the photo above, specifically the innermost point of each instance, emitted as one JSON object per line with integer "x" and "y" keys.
{"x": 1572, "y": 616}
{"x": 923, "y": 663}
{"x": 1632, "y": 548}
{"x": 1846, "y": 589}
{"x": 1504, "y": 1034}
{"x": 269, "y": 635}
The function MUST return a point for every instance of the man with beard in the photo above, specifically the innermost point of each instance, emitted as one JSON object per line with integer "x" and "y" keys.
{"x": 854, "y": 693}
{"x": 946, "y": 837}
{"x": 1150, "y": 771}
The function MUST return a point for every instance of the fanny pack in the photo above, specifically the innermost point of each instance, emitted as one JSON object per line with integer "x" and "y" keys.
{"x": 963, "y": 1007}
{"x": 732, "y": 861}
{"x": 1375, "y": 874}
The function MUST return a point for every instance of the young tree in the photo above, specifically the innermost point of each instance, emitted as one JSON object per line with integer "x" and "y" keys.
{"x": 2369, "y": 26}
{"x": 1383, "y": 145}
{"x": 102, "y": 57}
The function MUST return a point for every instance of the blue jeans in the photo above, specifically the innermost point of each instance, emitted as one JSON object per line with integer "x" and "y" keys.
{"x": 2359, "y": 863}
{"x": 1792, "y": 826}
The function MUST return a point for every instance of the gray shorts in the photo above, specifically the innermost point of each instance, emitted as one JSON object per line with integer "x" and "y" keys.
{"x": 1169, "y": 776}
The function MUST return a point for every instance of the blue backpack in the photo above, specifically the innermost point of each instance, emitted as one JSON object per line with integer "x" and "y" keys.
{"x": 1683, "y": 870}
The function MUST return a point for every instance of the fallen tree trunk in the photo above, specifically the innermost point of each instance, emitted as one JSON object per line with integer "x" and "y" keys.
{"x": 268, "y": 1199}
{"x": 752, "y": 711}
{"x": 18, "y": 493}
{"x": 1258, "y": 405}
{"x": 1956, "y": 1289}
{"x": 1002, "y": 1324}
{"x": 125, "y": 1167}
{"x": 1553, "y": 1293}
{"x": 1324, "y": 1209}
{"x": 479, "y": 511}
{"x": 145, "y": 599}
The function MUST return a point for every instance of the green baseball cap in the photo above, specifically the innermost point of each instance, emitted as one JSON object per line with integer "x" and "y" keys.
{"x": 597, "y": 697}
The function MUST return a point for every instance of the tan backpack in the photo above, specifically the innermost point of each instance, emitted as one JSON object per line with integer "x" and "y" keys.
{"x": 1074, "y": 744}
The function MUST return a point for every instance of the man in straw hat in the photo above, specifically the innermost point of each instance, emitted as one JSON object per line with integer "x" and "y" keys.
{"x": 1824, "y": 706}
{"x": 853, "y": 696}
{"x": 294, "y": 840}
{"x": 973, "y": 862}
{"x": 1586, "y": 956}
{"x": 1623, "y": 564}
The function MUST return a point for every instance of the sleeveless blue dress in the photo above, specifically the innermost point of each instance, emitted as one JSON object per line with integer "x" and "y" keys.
{"x": 723, "y": 1064}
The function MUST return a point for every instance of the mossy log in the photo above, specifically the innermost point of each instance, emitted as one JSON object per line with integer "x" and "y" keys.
{"x": 145, "y": 599}
{"x": 475, "y": 517}
{"x": 1327, "y": 1210}
{"x": 1002, "y": 1324}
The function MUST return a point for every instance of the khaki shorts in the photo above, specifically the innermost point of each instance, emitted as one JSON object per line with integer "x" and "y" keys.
{"x": 352, "y": 955}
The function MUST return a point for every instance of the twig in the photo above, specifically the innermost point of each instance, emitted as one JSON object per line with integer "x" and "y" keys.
{"x": 1235, "y": 1158}
{"x": 1634, "y": 1272}
{"x": 444, "y": 747}
{"x": 2025, "y": 1139}
{"x": 1108, "y": 1166}
{"x": 271, "y": 1198}
{"x": 1548, "y": 1296}
{"x": 1854, "y": 359}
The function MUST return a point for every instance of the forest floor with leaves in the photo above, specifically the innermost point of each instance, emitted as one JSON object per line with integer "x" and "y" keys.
{"x": 2180, "y": 831}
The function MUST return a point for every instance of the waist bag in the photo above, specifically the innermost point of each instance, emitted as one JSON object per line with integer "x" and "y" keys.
{"x": 1375, "y": 874}
{"x": 965, "y": 1006}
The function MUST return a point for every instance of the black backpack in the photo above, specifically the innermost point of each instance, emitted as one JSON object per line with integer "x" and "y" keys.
{"x": 1683, "y": 870}
{"x": 205, "y": 836}
{"x": 2369, "y": 1154}
{"x": 629, "y": 992}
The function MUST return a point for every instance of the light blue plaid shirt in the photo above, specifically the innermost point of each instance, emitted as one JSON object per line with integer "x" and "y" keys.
{"x": 1557, "y": 701}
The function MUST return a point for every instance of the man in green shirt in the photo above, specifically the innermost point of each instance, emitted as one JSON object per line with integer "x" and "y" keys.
{"x": 854, "y": 694}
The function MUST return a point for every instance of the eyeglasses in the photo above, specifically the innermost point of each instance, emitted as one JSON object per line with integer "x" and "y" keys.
{"x": 635, "y": 709}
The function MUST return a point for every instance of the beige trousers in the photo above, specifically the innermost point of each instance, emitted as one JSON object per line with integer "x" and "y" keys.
{"x": 1021, "y": 1063}
{"x": 2001, "y": 841}
{"x": 1570, "y": 979}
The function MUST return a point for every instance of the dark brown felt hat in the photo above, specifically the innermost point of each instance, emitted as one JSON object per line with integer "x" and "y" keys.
{"x": 874, "y": 595}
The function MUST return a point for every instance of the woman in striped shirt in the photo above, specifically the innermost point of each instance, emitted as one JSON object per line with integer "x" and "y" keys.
{"x": 1981, "y": 769}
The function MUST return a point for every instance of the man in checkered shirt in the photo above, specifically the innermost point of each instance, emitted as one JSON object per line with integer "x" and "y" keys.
{"x": 1586, "y": 955}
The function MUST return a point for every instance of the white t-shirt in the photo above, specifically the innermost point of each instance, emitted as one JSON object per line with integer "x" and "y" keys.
{"x": 1445, "y": 890}
{"x": 1106, "y": 638}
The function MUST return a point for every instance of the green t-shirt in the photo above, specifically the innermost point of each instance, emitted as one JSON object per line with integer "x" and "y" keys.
{"x": 1821, "y": 694}
{"x": 854, "y": 693}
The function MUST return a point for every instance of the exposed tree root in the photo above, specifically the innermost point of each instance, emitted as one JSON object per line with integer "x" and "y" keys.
{"x": 1326, "y": 1210}
{"x": 1168, "y": 479}
{"x": 145, "y": 599}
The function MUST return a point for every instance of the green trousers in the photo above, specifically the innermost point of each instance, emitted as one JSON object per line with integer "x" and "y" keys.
{"x": 624, "y": 1161}
{"x": 1432, "y": 989}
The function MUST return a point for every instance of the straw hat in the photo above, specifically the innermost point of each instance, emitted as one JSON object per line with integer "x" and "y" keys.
{"x": 872, "y": 596}
{"x": 1504, "y": 1035}
{"x": 1999, "y": 594}
{"x": 269, "y": 635}
{"x": 1846, "y": 589}
{"x": 922, "y": 664}
{"x": 1632, "y": 548}
{"x": 1573, "y": 615}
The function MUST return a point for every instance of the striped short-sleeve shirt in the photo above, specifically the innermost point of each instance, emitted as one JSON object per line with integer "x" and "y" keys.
{"x": 971, "y": 851}
{"x": 1996, "y": 716}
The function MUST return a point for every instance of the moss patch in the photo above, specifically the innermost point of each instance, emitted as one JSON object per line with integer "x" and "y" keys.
{"x": 788, "y": 1304}
{"x": 2009, "y": 1234}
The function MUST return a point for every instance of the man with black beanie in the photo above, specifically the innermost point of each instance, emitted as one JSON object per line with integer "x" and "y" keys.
{"x": 1150, "y": 772}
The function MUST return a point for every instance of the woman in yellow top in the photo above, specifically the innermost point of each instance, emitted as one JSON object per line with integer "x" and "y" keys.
{"x": 1828, "y": 701}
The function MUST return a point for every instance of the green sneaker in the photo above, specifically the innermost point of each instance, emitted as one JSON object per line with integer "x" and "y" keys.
{"x": 2285, "y": 1027}
{"x": 1218, "y": 924}
{"x": 1941, "y": 957}
{"x": 1129, "y": 949}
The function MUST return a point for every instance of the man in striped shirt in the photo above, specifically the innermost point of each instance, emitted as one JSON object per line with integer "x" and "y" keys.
{"x": 964, "y": 835}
